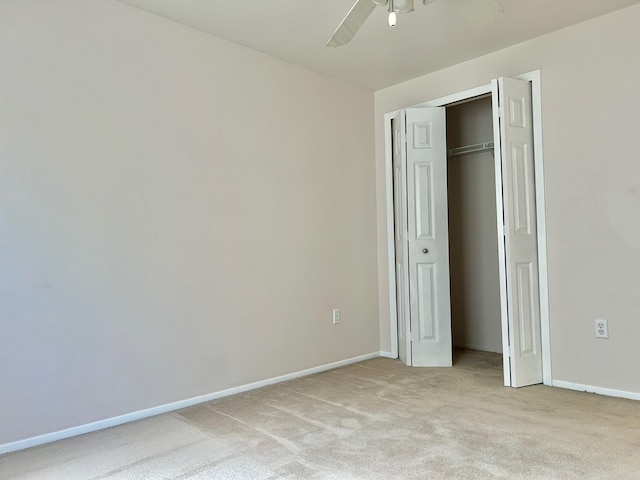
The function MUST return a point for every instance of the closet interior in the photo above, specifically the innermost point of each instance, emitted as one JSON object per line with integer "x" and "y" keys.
{"x": 473, "y": 240}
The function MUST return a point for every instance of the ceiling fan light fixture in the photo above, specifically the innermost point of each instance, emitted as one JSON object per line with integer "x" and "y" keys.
{"x": 393, "y": 19}
{"x": 478, "y": 12}
{"x": 398, "y": 6}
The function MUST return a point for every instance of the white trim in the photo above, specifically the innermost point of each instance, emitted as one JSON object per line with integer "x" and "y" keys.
{"x": 391, "y": 252}
{"x": 388, "y": 355}
{"x": 457, "y": 97}
{"x": 609, "y": 392}
{"x": 170, "y": 407}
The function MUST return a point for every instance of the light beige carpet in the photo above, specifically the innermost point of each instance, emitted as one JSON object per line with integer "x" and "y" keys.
{"x": 373, "y": 420}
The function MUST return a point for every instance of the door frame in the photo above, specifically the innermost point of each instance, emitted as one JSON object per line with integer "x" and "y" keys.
{"x": 467, "y": 95}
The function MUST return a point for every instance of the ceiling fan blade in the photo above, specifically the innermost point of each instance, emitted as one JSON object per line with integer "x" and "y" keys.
{"x": 351, "y": 23}
{"x": 478, "y": 12}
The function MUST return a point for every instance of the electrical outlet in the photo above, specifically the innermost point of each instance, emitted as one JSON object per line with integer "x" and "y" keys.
{"x": 336, "y": 316}
{"x": 602, "y": 329}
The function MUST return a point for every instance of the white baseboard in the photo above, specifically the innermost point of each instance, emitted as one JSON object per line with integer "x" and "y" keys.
{"x": 609, "y": 392}
{"x": 388, "y": 355}
{"x": 170, "y": 407}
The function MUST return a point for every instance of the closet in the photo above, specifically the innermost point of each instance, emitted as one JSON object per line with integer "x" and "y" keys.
{"x": 464, "y": 229}
{"x": 473, "y": 239}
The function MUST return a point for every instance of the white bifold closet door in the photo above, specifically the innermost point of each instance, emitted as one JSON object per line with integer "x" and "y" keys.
{"x": 399, "y": 164}
{"x": 428, "y": 237}
{"x": 513, "y": 131}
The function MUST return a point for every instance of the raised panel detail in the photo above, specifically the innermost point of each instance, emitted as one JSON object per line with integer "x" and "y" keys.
{"x": 522, "y": 201}
{"x": 526, "y": 315}
{"x": 422, "y": 135}
{"x": 518, "y": 112}
{"x": 426, "y": 287}
{"x": 425, "y": 215}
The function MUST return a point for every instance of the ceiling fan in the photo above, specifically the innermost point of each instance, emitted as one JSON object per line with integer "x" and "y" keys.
{"x": 478, "y": 12}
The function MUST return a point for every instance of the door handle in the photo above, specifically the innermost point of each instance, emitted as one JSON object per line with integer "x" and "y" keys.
{"x": 425, "y": 250}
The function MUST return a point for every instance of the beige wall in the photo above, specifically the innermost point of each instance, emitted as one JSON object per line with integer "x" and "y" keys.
{"x": 178, "y": 215}
{"x": 590, "y": 107}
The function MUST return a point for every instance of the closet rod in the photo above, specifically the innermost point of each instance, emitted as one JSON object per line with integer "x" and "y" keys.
{"x": 478, "y": 147}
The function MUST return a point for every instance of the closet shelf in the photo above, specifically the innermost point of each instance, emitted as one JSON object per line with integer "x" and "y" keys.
{"x": 478, "y": 147}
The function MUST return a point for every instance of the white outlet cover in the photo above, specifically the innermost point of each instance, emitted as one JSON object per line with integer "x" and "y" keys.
{"x": 602, "y": 328}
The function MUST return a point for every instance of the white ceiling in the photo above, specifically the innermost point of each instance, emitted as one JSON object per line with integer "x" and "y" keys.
{"x": 430, "y": 38}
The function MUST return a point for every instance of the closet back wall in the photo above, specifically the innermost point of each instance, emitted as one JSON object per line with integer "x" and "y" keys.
{"x": 475, "y": 288}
